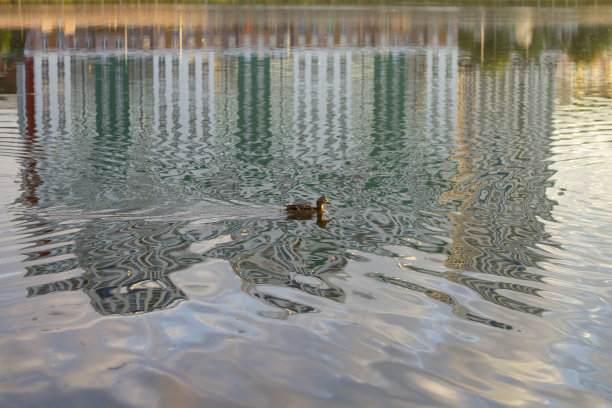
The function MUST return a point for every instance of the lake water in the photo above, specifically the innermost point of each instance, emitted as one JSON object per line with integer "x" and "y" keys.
{"x": 147, "y": 153}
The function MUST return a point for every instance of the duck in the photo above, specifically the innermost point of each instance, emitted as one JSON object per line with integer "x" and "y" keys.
{"x": 307, "y": 210}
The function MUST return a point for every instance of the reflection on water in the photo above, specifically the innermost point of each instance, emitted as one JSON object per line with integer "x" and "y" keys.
{"x": 127, "y": 265}
{"x": 153, "y": 146}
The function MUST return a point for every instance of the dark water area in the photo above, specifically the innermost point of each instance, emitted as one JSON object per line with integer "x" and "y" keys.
{"x": 147, "y": 153}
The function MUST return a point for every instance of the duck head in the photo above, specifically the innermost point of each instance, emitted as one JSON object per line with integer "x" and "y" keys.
{"x": 321, "y": 201}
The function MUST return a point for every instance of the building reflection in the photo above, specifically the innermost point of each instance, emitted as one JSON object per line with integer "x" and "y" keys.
{"x": 502, "y": 191}
{"x": 277, "y": 257}
{"x": 457, "y": 309}
{"x": 238, "y": 107}
{"x": 124, "y": 266}
{"x": 503, "y": 154}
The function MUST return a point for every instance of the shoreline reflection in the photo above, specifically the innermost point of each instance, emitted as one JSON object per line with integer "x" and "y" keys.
{"x": 417, "y": 134}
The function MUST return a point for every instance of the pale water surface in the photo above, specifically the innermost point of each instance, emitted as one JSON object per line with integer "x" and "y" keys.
{"x": 147, "y": 152}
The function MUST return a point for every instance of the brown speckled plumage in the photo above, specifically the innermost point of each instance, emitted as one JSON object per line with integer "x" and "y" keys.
{"x": 300, "y": 210}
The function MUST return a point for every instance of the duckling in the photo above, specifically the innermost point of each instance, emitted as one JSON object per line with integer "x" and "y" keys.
{"x": 307, "y": 210}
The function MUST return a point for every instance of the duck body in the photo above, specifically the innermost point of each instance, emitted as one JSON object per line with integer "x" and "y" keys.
{"x": 307, "y": 210}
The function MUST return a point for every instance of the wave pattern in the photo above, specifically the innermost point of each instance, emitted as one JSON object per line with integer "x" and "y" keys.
{"x": 464, "y": 261}
{"x": 172, "y": 131}
{"x": 123, "y": 266}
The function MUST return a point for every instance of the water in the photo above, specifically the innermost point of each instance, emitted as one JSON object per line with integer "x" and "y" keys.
{"x": 147, "y": 153}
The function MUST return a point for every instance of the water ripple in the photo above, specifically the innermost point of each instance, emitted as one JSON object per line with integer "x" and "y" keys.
{"x": 464, "y": 260}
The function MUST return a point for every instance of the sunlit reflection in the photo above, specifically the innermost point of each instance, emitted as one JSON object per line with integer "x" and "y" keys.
{"x": 151, "y": 150}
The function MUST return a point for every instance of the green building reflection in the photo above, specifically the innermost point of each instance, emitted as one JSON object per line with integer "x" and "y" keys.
{"x": 403, "y": 138}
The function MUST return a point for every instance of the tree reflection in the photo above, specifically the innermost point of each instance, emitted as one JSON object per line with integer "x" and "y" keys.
{"x": 582, "y": 44}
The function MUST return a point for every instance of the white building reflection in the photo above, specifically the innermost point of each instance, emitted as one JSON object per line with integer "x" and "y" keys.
{"x": 126, "y": 119}
{"x": 319, "y": 86}
{"x": 166, "y": 95}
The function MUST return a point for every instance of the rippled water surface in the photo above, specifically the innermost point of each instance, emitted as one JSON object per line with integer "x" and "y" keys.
{"x": 147, "y": 153}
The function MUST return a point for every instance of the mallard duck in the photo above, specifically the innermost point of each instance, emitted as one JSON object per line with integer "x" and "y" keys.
{"x": 307, "y": 210}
